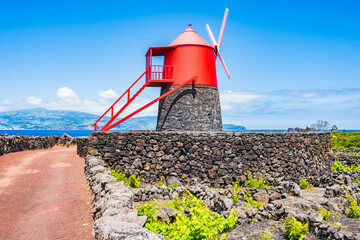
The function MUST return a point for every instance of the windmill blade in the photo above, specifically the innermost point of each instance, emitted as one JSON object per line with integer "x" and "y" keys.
{"x": 210, "y": 35}
{"x": 224, "y": 65}
{"x": 222, "y": 27}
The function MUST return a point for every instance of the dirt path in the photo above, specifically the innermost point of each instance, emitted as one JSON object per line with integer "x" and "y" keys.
{"x": 43, "y": 195}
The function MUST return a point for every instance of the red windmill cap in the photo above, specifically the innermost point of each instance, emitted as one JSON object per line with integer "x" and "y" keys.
{"x": 190, "y": 37}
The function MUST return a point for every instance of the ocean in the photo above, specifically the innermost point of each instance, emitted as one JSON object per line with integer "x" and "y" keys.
{"x": 43, "y": 133}
{"x": 85, "y": 133}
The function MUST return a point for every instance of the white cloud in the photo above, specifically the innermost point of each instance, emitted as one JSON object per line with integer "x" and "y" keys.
{"x": 8, "y": 102}
{"x": 34, "y": 100}
{"x": 66, "y": 93}
{"x": 110, "y": 94}
{"x": 231, "y": 99}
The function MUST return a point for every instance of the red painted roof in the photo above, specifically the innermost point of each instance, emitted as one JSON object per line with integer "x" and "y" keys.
{"x": 190, "y": 37}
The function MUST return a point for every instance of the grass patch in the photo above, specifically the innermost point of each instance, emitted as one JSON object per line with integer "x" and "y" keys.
{"x": 345, "y": 139}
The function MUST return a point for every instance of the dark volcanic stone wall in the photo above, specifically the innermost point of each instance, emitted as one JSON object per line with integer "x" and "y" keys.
{"x": 218, "y": 158}
{"x": 190, "y": 108}
{"x": 10, "y": 144}
{"x": 82, "y": 146}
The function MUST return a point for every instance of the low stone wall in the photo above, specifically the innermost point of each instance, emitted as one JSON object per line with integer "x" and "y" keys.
{"x": 114, "y": 214}
{"x": 18, "y": 143}
{"x": 217, "y": 159}
{"x": 82, "y": 146}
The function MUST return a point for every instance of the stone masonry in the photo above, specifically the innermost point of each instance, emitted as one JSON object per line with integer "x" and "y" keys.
{"x": 190, "y": 108}
{"x": 217, "y": 159}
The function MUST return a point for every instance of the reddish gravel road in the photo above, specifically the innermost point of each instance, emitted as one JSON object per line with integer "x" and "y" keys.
{"x": 43, "y": 195}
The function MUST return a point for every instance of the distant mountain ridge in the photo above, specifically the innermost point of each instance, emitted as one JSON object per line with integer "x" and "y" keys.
{"x": 43, "y": 119}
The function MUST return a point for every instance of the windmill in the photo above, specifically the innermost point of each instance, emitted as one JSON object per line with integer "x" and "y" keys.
{"x": 189, "y": 98}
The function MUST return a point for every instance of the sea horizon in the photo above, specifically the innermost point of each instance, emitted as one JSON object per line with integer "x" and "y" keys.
{"x": 85, "y": 133}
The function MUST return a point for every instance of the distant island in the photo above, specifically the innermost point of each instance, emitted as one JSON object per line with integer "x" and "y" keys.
{"x": 43, "y": 119}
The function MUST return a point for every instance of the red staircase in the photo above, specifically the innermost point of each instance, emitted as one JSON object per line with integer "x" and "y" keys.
{"x": 156, "y": 76}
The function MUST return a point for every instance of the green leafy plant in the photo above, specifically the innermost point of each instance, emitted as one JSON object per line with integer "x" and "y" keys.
{"x": 173, "y": 185}
{"x": 175, "y": 203}
{"x": 149, "y": 209}
{"x": 339, "y": 167}
{"x": 161, "y": 182}
{"x": 267, "y": 235}
{"x": 357, "y": 180}
{"x": 236, "y": 190}
{"x": 346, "y": 139}
{"x": 201, "y": 225}
{"x": 235, "y": 197}
{"x": 294, "y": 229}
{"x": 354, "y": 209}
{"x": 252, "y": 183}
{"x": 133, "y": 181}
{"x": 251, "y": 202}
{"x": 305, "y": 184}
{"x": 325, "y": 214}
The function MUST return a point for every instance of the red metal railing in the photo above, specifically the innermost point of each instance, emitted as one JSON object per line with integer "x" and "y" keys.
{"x": 162, "y": 72}
{"x": 129, "y": 100}
{"x": 150, "y": 103}
{"x": 154, "y": 72}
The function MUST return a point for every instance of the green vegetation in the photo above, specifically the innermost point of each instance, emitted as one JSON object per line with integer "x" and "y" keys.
{"x": 339, "y": 167}
{"x": 294, "y": 229}
{"x": 161, "y": 182}
{"x": 133, "y": 181}
{"x": 252, "y": 183}
{"x": 327, "y": 214}
{"x": 346, "y": 139}
{"x": 357, "y": 180}
{"x": 251, "y": 202}
{"x": 305, "y": 184}
{"x": 201, "y": 225}
{"x": 267, "y": 235}
{"x": 236, "y": 190}
{"x": 235, "y": 197}
{"x": 173, "y": 185}
{"x": 354, "y": 209}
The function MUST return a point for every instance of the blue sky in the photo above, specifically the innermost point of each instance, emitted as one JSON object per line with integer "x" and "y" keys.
{"x": 291, "y": 62}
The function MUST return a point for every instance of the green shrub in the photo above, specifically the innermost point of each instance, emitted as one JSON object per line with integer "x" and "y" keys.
{"x": 357, "y": 180}
{"x": 133, "y": 181}
{"x": 304, "y": 184}
{"x": 251, "y": 202}
{"x": 325, "y": 214}
{"x": 161, "y": 182}
{"x": 354, "y": 209}
{"x": 149, "y": 209}
{"x": 175, "y": 203}
{"x": 294, "y": 229}
{"x": 267, "y": 235}
{"x": 236, "y": 190}
{"x": 345, "y": 139}
{"x": 339, "y": 167}
{"x": 173, "y": 185}
{"x": 235, "y": 197}
{"x": 201, "y": 225}
{"x": 252, "y": 183}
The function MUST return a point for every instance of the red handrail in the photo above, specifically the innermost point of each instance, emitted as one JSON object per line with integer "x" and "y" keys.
{"x": 105, "y": 128}
{"x": 112, "y": 106}
{"x": 154, "y": 72}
